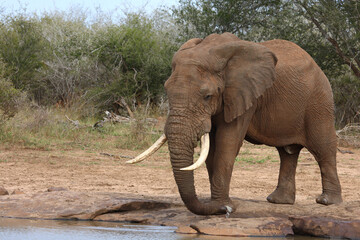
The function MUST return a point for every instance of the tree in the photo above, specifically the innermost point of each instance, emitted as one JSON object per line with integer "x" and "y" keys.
{"x": 301, "y": 21}
{"x": 327, "y": 29}
{"x": 70, "y": 68}
{"x": 23, "y": 49}
{"x": 9, "y": 96}
{"x": 201, "y": 18}
{"x": 338, "y": 21}
{"x": 137, "y": 59}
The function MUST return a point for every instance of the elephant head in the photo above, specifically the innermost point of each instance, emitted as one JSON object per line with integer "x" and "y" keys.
{"x": 219, "y": 75}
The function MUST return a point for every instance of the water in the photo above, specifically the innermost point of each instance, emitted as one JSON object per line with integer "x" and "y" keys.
{"x": 16, "y": 229}
{"x": 24, "y": 229}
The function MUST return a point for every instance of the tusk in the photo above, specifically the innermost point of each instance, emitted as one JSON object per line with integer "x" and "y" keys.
{"x": 205, "y": 147}
{"x": 150, "y": 150}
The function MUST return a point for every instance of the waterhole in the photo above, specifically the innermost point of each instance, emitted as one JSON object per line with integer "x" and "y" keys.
{"x": 25, "y": 229}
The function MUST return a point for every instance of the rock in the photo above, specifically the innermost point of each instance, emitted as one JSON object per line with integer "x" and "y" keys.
{"x": 72, "y": 205}
{"x": 252, "y": 218}
{"x": 325, "y": 227}
{"x": 172, "y": 216}
{"x": 56, "y": 189}
{"x": 144, "y": 217}
{"x": 245, "y": 227}
{"x": 186, "y": 230}
{"x": 3, "y": 191}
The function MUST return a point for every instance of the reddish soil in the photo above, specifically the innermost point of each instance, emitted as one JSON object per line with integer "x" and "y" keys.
{"x": 254, "y": 176}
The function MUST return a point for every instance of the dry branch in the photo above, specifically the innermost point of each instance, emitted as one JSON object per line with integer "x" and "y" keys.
{"x": 345, "y": 151}
{"x": 75, "y": 123}
{"x": 123, "y": 103}
{"x": 349, "y": 135}
{"x": 113, "y": 118}
{"x": 351, "y": 127}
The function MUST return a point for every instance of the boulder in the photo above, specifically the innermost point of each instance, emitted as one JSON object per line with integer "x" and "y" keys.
{"x": 3, "y": 191}
{"x": 252, "y": 218}
{"x": 326, "y": 227}
{"x": 245, "y": 227}
{"x": 71, "y": 205}
{"x": 186, "y": 230}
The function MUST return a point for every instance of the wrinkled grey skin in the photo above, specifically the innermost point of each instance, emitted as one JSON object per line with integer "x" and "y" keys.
{"x": 271, "y": 93}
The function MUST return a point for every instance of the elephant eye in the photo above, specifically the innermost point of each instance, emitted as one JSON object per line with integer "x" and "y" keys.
{"x": 207, "y": 97}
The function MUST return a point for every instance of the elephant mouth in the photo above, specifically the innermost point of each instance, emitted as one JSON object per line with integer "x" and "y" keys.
{"x": 205, "y": 147}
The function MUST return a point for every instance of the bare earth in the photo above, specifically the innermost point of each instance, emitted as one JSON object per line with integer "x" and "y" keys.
{"x": 254, "y": 176}
{"x": 101, "y": 186}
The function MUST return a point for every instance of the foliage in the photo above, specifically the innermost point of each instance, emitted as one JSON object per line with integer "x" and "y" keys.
{"x": 346, "y": 91}
{"x": 257, "y": 21}
{"x": 327, "y": 30}
{"x": 23, "y": 49}
{"x": 70, "y": 68}
{"x": 9, "y": 96}
{"x": 338, "y": 21}
{"x": 65, "y": 58}
{"x": 137, "y": 60}
{"x": 75, "y": 61}
{"x": 201, "y": 18}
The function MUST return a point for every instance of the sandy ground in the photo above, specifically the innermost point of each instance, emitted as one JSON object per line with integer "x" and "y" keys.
{"x": 254, "y": 176}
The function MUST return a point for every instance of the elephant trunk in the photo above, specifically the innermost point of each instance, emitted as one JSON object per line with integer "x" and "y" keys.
{"x": 181, "y": 146}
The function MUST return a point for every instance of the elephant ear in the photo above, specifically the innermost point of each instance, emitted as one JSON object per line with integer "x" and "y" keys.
{"x": 248, "y": 69}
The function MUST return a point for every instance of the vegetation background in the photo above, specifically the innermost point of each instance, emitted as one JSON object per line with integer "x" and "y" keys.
{"x": 57, "y": 64}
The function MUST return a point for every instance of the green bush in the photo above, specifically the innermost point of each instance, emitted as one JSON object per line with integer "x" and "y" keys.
{"x": 9, "y": 95}
{"x": 62, "y": 58}
{"x": 23, "y": 49}
{"x": 346, "y": 89}
{"x": 136, "y": 61}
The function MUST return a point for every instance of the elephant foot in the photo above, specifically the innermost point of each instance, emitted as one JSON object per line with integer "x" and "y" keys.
{"x": 281, "y": 196}
{"x": 328, "y": 199}
{"x": 227, "y": 208}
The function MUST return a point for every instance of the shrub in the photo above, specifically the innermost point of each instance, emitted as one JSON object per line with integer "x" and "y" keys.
{"x": 60, "y": 57}
{"x": 346, "y": 90}
{"x": 23, "y": 49}
{"x": 70, "y": 68}
{"x": 9, "y": 96}
{"x": 136, "y": 62}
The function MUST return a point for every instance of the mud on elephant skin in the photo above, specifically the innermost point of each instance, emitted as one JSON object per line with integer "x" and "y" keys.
{"x": 224, "y": 90}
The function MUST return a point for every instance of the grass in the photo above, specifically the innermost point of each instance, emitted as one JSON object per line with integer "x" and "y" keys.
{"x": 48, "y": 128}
{"x": 252, "y": 160}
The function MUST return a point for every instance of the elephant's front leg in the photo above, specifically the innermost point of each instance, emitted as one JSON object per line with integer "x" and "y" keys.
{"x": 225, "y": 143}
{"x": 285, "y": 190}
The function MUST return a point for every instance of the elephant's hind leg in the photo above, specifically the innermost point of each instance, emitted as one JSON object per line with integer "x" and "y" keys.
{"x": 326, "y": 159}
{"x": 285, "y": 190}
{"x": 321, "y": 142}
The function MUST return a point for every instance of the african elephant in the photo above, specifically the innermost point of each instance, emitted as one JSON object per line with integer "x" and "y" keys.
{"x": 224, "y": 90}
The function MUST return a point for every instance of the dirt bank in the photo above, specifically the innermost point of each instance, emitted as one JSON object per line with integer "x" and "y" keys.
{"x": 31, "y": 172}
{"x": 254, "y": 176}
